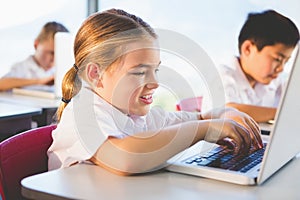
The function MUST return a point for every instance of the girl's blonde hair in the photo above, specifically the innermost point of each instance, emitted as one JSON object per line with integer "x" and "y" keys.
{"x": 101, "y": 39}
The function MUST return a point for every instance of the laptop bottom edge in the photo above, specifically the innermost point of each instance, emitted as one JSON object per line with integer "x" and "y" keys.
{"x": 215, "y": 174}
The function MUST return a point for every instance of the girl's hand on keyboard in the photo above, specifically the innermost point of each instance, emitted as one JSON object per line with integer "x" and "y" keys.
{"x": 242, "y": 119}
{"x": 229, "y": 133}
{"x": 247, "y": 122}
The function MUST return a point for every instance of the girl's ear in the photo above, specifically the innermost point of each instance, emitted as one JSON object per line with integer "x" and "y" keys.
{"x": 94, "y": 74}
{"x": 247, "y": 47}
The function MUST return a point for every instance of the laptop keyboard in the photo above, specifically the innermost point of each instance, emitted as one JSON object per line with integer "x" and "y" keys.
{"x": 224, "y": 158}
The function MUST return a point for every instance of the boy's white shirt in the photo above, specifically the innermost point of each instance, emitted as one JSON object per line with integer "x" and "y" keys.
{"x": 77, "y": 123}
{"x": 238, "y": 89}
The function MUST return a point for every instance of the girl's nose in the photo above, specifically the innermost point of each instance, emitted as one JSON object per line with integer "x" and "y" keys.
{"x": 152, "y": 82}
{"x": 152, "y": 85}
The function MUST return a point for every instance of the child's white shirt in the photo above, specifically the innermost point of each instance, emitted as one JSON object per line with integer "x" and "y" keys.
{"x": 238, "y": 89}
{"x": 29, "y": 69}
{"x": 88, "y": 121}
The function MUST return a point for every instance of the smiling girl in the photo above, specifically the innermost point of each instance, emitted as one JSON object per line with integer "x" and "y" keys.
{"x": 106, "y": 118}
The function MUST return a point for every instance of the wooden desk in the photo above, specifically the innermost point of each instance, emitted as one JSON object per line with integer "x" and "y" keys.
{"x": 15, "y": 118}
{"x": 48, "y": 106}
{"x": 84, "y": 181}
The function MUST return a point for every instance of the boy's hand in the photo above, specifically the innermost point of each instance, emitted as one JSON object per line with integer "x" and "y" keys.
{"x": 46, "y": 81}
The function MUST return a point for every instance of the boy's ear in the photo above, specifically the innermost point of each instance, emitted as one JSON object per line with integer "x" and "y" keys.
{"x": 247, "y": 47}
{"x": 94, "y": 74}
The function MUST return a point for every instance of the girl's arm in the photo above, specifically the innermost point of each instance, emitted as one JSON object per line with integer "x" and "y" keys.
{"x": 147, "y": 151}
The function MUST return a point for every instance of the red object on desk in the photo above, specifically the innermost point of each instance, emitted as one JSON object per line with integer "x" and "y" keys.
{"x": 192, "y": 104}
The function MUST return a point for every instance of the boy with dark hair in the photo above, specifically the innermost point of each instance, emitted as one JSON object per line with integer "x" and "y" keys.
{"x": 252, "y": 83}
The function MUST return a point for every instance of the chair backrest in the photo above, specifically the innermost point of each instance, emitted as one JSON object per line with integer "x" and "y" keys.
{"x": 192, "y": 104}
{"x": 23, "y": 155}
{"x": 2, "y": 196}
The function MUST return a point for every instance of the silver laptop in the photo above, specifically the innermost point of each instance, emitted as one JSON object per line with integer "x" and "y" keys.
{"x": 282, "y": 146}
{"x": 63, "y": 61}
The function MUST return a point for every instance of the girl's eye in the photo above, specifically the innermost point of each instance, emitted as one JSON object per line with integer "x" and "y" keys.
{"x": 156, "y": 70}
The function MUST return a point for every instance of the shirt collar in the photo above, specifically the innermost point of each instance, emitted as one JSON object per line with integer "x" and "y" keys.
{"x": 124, "y": 122}
{"x": 246, "y": 85}
{"x": 241, "y": 76}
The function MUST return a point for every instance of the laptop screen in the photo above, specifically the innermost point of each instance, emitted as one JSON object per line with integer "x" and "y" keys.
{"x": 285, "y": 137}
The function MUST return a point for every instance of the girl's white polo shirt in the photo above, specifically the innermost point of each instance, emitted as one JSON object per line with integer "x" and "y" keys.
{"x": 88, "y": 120}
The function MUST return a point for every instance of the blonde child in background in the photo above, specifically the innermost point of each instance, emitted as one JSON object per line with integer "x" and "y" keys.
{"x": 37, "y": 69}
